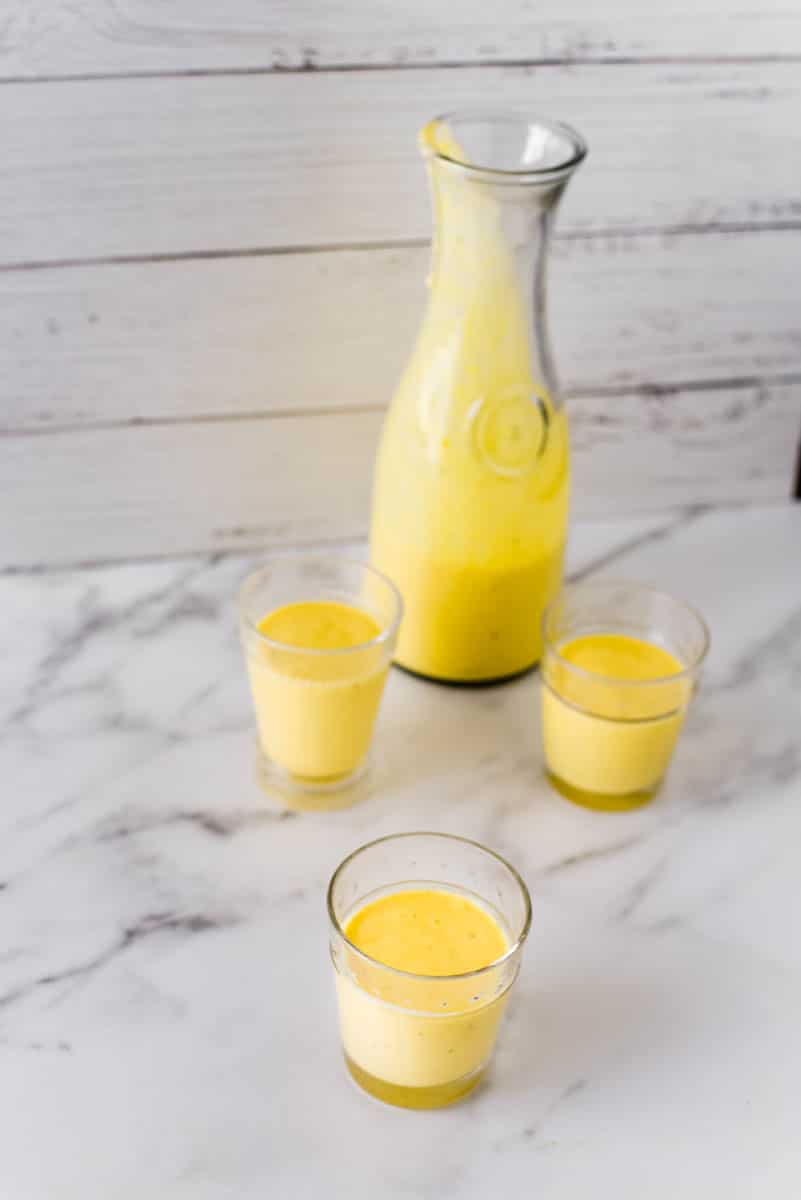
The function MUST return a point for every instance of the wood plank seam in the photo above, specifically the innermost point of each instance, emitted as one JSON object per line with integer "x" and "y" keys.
{"x": 701, "y": 229}
{"x": 690, "y": 512}
{"x": 169, "y": 489}
{"x": 308, "y": 66}
{"x": 645, "y": 390}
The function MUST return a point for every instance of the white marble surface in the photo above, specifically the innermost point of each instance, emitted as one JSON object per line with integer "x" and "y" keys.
{"x": 167, "y": 1024}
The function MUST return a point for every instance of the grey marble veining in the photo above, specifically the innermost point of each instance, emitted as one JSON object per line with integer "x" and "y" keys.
{"x": 167, "y": 1024}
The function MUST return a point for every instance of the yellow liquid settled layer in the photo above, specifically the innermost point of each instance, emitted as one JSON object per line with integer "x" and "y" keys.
{"x": 410, "y": 1040}
{"x": 316, "y": 712}
{"x": 607, "y": 741}
{"x": 439, "y": 1095}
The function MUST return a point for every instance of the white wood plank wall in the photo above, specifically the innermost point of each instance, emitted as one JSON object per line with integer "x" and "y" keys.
{"x": 213, "y": 228}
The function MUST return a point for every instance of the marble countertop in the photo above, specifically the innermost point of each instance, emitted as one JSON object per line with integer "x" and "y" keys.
{"x": 167, "y": 1018}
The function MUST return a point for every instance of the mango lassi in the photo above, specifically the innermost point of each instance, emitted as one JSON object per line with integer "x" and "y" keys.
{"x": 421, "y": 1034}
{"x": 427, "y": 933}
{"x": 316, "y": 708}
{"x": 471, "y": 484}
{"x": 612, "y": 709}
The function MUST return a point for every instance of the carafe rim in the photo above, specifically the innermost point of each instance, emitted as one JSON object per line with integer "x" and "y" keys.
{"x": 575, "y": 148}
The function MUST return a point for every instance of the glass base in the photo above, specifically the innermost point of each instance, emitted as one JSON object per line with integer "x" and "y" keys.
{"x": 301, "y": 794}
{"x": 438, "y": 1096}
{"x": 601, "y": 801}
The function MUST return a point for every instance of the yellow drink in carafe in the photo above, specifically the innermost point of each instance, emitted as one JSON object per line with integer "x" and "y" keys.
{"x": 472, "y": 476}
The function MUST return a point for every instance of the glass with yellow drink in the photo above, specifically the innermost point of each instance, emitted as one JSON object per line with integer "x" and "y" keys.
{"x": 318, "y": 635}
{"x": 620, "y": 666}
{"x": 427, "y": 933}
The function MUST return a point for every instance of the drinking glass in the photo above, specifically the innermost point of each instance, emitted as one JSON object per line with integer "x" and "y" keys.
{"x": 607, "y": 738}
{"x": 423, "y": 1041}
{"x": 316, "y": 708}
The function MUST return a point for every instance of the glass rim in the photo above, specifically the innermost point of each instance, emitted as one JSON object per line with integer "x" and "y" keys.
{"x": 500, "y": 961}
{"x": 578, "y": 146}
{"x": 597, "y": 676}
{"x": 384, "y": 635}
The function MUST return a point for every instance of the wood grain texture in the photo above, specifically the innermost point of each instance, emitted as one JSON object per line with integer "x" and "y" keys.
{"x": 175, "y": 340}
{"x": 220, "y": 485}
{"x": 230, "y": 264}
{"x": 62, "y": 37}
{"x": 162, "y": 166}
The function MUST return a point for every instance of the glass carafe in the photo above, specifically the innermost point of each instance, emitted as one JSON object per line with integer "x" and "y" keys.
{"x": 471, "y": 486}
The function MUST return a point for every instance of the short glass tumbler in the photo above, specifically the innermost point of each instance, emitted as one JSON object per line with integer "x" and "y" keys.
{"x": 423, "y": 1041}
{"x": 608, "y": 737}
{"x": 316, "y": 708}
